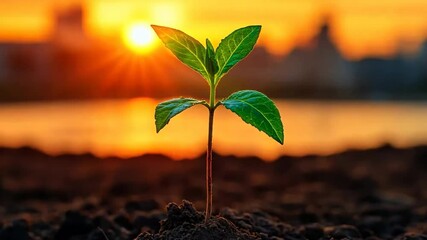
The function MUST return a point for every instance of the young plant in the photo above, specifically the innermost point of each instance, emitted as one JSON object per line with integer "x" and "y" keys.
{"x": 252, "y": 106}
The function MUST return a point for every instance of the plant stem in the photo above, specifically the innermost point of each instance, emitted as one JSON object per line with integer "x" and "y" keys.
{"x": 209, "y": 168}
{"x": 209, "y": 155}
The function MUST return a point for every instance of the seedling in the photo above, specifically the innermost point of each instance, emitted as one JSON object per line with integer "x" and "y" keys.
{"x": 253, "y": 107}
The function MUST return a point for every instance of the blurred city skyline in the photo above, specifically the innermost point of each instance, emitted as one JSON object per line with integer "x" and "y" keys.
{"x": 360, "y": 29}
{"x": 71, "y": 63}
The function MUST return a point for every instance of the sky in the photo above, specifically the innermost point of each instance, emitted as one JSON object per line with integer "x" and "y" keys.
{"x": 359, "y": 28}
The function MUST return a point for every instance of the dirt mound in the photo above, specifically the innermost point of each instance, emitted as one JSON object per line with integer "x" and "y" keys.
{"x": 184, "y": 222}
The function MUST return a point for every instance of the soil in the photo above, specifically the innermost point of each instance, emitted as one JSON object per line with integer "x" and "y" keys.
{"x": 358, "y": 194}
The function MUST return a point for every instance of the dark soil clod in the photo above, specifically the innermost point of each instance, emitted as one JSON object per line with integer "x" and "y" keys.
{"x": 184, "y": 222}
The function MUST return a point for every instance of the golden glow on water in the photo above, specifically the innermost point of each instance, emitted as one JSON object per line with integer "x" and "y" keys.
{"x": 126, "y": 128}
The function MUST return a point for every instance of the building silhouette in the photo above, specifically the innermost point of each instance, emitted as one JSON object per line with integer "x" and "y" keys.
{"x": 69, "y": 32}
{"x": 422, "y": 64}
{"x": 319, "y": 67}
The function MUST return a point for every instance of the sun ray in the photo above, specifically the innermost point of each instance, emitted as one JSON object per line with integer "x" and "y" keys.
{"x": 139, "y": 37}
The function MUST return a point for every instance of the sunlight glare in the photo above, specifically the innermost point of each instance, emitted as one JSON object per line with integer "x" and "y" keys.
{"x": 167, "y": 14}
{"x": 139, "y": 37}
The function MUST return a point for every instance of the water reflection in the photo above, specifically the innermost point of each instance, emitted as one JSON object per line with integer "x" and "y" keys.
{"x": 126, "y": 128}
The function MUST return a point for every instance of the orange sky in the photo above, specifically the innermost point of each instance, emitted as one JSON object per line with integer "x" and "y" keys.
{"x": 360, "y": 28}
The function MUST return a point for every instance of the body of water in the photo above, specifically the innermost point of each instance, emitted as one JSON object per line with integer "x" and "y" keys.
{"x": 126, "y": 128}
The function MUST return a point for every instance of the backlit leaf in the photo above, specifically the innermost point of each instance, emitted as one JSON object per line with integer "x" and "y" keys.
{"x": 168, "y": 109}
{"x": 210, "y": 61}
{"x": 235, "y": 47}
{"x": 258, "y": 110}
{"x": 187, "y": 49}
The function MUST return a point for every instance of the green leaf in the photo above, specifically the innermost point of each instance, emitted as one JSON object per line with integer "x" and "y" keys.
{"x": 258, "y": 110}
{"x": 235, "y": 47}
{"x": 187, "y": 49}
{"x": 169, "y": 109}
{"x": 210, "y": 61}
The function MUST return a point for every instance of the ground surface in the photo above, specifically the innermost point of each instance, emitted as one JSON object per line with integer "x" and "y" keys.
{"x": 370, "y": 194}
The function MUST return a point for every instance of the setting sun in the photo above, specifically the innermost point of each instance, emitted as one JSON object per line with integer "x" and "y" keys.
{"x": 139, "y": 37}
